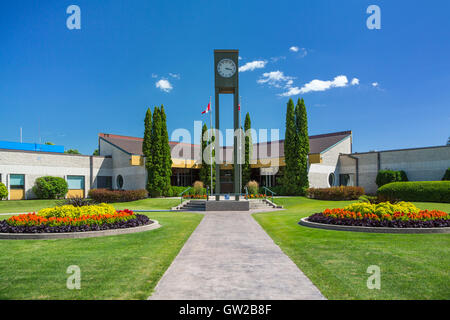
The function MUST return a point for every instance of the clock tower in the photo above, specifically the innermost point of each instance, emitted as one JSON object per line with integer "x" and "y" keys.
{"x": 226, "y": 71}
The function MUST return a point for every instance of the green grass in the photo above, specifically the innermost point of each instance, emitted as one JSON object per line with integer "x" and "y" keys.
{"x": 115, "y": 267}
{"x": 20, "y": 206}
{"x": 412, "y": 266}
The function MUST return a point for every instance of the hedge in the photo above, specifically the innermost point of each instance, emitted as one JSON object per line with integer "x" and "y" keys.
{"x": 388, "y": 176}
{"x": 422, "y": 191}
{"x": 335, "y": 193}
{"x": 108, "y": 196}
{"x": 176, "y": 191}
{"x": 50, "y": 187}
{"x": 446, "y": 176}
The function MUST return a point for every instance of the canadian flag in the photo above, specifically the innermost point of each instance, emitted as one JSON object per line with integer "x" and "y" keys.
{"x": 208, "y": 108}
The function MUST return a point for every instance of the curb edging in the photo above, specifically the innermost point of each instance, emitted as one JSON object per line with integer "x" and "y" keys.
{"x": 78, "y": 235}
{"x": 305, "y": 223}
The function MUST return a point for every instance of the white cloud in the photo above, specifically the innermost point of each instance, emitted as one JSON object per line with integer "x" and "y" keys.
{"x": 293, "y": 91}
{"x": 250, "y": 66}
{"x": 164, "y": 85}
{"x": 276, "y": 79}
{"x": 317, "y": 85}
{"x": 375, "y": 84}
{"x": 355, "y": 81}
{"x": 275, "y": 59}
{"x": 175, "y": 75}
{"x": 154, "y": 75}
{"x": 302, "y": 52}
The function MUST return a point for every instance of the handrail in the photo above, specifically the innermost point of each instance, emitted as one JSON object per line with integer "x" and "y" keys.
{"x": 181, "y": 194}
{"x": 267, "y": 189}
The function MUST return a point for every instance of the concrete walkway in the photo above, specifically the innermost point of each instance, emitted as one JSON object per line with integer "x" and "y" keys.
{"x": 229, "y": 256}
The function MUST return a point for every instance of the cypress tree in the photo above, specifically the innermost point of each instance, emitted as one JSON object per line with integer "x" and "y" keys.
{"x": 303, "y": 147}
{"x": 155, "y": 182}
{"x": 291, "y": 178}
{"x": 146, "y": 144}
{"x": 204, "y": 173}
{"x": 166, "y": 170}
{"x": 205, "y": 170}
{"x": 246, "y": 170}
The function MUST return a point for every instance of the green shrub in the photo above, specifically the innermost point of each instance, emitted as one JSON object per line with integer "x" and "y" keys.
{"x": 388, "y": 176}
{"x": 422, "y": 191}
{"x": 369, "y": 199}
{"x": 176, "y": 191}
{"x": 198, "y": 188}
{"x": 3, "y": 191}
{"x": 446, "y": 176}
{"x": 335, "y": 193}
{"x": 108, "y": 196}
{"x": 253, "y": 187}
{"x": 76, "y": 202}
{"x": 50, "y": 188}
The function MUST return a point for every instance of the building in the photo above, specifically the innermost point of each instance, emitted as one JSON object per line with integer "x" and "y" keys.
{"x": 120, "y": 164}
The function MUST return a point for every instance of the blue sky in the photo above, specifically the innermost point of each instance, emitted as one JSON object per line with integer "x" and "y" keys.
{"x": 66, "y": 86}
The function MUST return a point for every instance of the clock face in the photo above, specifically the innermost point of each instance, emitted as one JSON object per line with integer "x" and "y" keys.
{"x": 226, "y": 68}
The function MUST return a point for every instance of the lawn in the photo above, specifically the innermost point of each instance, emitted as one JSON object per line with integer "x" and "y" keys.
{"x": 22, "y": 206}
{"x": 412, "y": 266}
{"x": 115, "y": 267}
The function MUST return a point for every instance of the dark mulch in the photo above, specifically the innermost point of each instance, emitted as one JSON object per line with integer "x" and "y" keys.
{"x": 140, "y": 220}
{"x": 321, "y": 218}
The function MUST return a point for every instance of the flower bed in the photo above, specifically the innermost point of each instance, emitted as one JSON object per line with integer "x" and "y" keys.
{"x": 401, "y": 215}
{"x": 37, "y": 223}
{"x": 195, "y": 196}
{"x": 255, "y": 196}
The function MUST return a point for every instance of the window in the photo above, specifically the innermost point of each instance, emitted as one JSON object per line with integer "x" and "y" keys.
{"x": 331, "y": 179}
{"x": 104, "y": 182}
{"x": 17, "y": 181}
{"x": 75, "y": 182}
{"x": 346, "y": 180}
{"x": 119, "y": 182}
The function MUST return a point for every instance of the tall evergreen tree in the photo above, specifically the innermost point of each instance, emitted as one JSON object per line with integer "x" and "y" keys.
{"x": 301, "y": 121}
{"x": 204, "y": 173}
{"x": 205, "y": 170}
{"x": 155, "y": 183}
{"x": 246, "y": 170}
{"x": 291, "y": 172}
{"x": 166, "y": 170}
{"x": 146, "y": 144}
{"x": 147, "y": 133}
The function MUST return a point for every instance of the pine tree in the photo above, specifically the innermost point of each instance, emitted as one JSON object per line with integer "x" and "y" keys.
{"x": 155, "y": 182}
{"x": 166, "y": 170}
{"x": 246, "y": 169}
{"x": 291, "y": 178}
{"x": 301, "y": 120}
{"x": 146, "y": 144}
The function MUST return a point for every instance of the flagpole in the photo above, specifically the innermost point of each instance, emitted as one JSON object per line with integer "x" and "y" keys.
{"x": 210, "y": 141}
{"x": 240, "y": 146}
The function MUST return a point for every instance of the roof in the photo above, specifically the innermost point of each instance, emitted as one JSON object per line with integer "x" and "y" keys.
{"x": 317, "y": 144}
